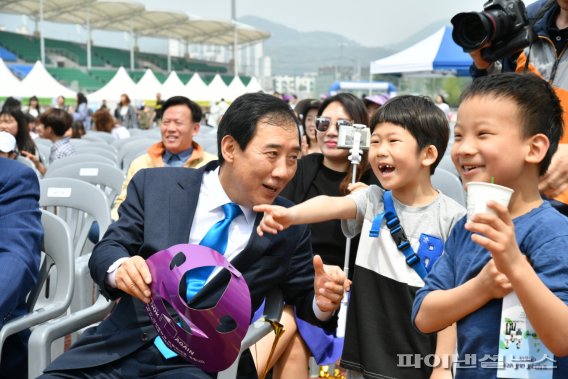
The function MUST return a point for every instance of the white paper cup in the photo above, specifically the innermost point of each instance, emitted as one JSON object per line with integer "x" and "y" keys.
{"x": 479, "y": 194}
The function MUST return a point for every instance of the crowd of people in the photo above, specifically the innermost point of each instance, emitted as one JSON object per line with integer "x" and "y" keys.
{"x": 330, "y": 225}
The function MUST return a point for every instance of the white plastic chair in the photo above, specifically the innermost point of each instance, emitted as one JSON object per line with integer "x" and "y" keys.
{"x": 449, "y": 184}
{"x": 107, "y": 137}
{"x": 80, "y": 158}
{"x": 42, "y": 337}
{"x": 58, "y": 251}
{"x": 79, "y": 203}
{"x": 86, "y": 149}
{"x": 107, "y": 177}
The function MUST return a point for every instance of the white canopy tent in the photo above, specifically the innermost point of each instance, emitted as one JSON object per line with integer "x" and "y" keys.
{"x": 119, "y": 84}
{"x": 253, "y": 85}
{"x": 196, "y": 88}
{"x": 10, "y": 83}
{"x": 148, "y": 86}
{"x": 173, "y": 86}
{"x": 217, "y": 88}
{"x": 235, "y": 89}
{"x": 438, "y": 52}
{"x": 40, "y": 83}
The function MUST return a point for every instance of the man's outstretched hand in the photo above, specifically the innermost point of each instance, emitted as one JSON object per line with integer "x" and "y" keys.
{"x": 330, "y": 282}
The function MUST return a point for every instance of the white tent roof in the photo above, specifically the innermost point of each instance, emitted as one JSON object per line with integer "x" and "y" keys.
{"x": 173, "y": 86}
{"x": 217, "y": 88}
{"x": 147, "y": 86}
{"x": 40, "y": 83}
{"x": 119, "y": 84}
{"x": 10, "y": 83}
{"x": 196, "y": 88}
{"x": 235, "y": 89}
{"x": 254, "y": 85}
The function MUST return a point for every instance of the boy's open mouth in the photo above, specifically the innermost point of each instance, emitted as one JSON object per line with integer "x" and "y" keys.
{"x": 386, "y": 168}
{"x": 469, "y": 168}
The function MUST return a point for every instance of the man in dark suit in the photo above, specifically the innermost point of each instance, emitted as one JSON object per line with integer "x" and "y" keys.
{"x": 259, "y": 144}
{"x": 20, "y": 246}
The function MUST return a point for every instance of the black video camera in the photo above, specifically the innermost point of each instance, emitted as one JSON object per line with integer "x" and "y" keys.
{"x": 503, "y": 24}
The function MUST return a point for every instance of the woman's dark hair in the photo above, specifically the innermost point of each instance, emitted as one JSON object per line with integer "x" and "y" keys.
{"x": 81, "y": 98}
{"x": 78, "y": 129}
{"x": 356, "y": 109}
{"x": 103, "y": 121}
{"x": 126, "y": 98}
{"x": 32, "y": 99}
{"x": 24, "y": 141}
{"x": 313, "y": 104}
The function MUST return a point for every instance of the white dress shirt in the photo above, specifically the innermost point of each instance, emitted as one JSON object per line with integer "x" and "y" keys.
{"x": 209, "y": 210}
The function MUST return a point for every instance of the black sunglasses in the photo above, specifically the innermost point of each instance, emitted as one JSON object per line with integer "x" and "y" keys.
{"x": 323, "y": 123}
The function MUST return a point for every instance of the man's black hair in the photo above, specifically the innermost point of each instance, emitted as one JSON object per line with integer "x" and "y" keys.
{"x": 243, "y": 115}
{"x": 196, "y": 112}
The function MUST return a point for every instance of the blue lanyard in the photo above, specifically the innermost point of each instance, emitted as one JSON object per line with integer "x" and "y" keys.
{"x": 398, "y": 235}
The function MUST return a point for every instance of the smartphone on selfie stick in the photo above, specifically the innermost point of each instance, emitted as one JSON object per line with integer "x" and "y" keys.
{"x": 356, "y": 138}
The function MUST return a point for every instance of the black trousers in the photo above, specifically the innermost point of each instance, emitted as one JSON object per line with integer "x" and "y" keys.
{"x": 149, "y": 363}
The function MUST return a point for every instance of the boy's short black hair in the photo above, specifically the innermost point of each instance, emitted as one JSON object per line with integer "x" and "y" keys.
{"x": 539, "y": 108}
{"x": 421, "y": 117}
{"x": 56, "y": 119}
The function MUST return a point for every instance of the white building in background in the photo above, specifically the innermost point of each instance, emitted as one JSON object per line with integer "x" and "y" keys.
{"x": 302, "y": 86}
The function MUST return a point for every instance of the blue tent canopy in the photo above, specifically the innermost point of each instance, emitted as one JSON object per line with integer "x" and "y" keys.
{"x": 437, "y": 52}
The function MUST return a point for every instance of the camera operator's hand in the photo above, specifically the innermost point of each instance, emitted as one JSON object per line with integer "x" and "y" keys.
{"x": 555, "y": 181}
{"x": 478, "y": 61}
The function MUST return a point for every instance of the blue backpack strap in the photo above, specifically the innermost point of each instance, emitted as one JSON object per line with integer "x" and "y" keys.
{"x": 397, "y": 233}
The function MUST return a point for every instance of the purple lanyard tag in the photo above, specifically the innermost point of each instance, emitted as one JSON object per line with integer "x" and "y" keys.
{"x": 205, "y": 346}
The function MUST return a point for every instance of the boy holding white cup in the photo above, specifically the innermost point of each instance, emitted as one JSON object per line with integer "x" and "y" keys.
{"x": 508, "y": 128}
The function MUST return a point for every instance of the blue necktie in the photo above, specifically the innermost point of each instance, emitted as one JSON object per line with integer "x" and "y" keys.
{"x": 216, "y": 238}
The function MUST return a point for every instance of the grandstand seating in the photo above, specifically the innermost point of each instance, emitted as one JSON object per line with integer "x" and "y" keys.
{"x": 24, "y": 50}
{"x": 7, "y": 55}
{"x": 67, "y": 76}
{"x": 74, "y": 51}
{"x": 24, "y": 47}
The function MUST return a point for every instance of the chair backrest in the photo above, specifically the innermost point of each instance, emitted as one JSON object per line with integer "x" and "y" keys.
{"x": 447, "y": 164}
{"x": 108, "y": 178}
{"x": 86, "y": 149}
{"x": 81, "y": 158}
{"x": 79, "y": 203}
{"x": 107, "y": 137}
{"x": 27, "y": 162}
{"x": 449, "y": 184}
{"x": 130, "y": 156}
{"x": 84, "y": 143}
{"x": 134, "y": 144}
{"x": 59, "y": 252}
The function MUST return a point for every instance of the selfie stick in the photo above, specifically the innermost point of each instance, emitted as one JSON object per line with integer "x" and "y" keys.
{"x": 355, "y": 159}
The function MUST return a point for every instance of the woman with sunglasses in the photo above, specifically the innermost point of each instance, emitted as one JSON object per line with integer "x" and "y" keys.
{"x": 327, "y": 173}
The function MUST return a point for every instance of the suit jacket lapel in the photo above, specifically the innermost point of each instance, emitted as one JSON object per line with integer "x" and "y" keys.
{"x": 183, "y": 203}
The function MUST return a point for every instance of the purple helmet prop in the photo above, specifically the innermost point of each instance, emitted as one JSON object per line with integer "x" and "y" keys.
{"x": 209, "y": 345}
